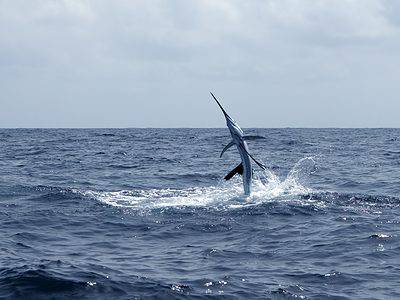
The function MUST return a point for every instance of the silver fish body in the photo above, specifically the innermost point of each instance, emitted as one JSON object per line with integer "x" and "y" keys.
{"x": 241, "y": 145}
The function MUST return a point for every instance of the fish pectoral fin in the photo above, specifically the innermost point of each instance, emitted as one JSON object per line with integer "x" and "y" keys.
{"x": 237, "y": 170}
{"x": 231, "y": 143}
{"x": 253, "y": 137}
{"x": 262, "y": 166}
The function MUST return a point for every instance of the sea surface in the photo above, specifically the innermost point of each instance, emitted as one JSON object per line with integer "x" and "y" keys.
{"x": 146, "y": 214}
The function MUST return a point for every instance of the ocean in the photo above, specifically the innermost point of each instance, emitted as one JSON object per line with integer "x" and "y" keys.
{"x": 146, "y": 214}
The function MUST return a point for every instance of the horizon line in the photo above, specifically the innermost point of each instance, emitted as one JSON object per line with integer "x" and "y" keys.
{"x": 288, "y": 127}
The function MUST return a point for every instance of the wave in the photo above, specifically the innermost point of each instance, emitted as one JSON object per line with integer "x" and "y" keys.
{"x": 266, "y": 187}
{"x": 58, "y": 280}
{"x": 53, "y": 280}
{"x": 26, "y": 280}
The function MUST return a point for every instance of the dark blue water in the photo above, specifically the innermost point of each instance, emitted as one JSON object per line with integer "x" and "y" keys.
{"x": 144, "y": 213}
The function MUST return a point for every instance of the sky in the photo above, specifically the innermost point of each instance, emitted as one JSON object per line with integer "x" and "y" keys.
{"x": 272, "y": 63}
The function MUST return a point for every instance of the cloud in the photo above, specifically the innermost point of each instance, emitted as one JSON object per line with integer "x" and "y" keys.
{"x": 154, "y": 49}
{"x": 157, "y": 29}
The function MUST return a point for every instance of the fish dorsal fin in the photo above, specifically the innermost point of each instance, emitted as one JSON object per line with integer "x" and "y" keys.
{"x": 253, "y": 137}
{"x": 231, "y": 143}
{"x": 237, "y": 170}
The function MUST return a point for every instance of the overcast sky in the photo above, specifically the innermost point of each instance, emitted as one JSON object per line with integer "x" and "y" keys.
{"x": 277, "y": 63}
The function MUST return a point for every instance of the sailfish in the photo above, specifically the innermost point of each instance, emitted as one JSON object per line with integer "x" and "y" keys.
{"x": 239, "y": 140}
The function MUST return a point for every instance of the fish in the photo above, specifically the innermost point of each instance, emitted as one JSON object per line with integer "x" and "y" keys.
{"x": 239, "y": 140}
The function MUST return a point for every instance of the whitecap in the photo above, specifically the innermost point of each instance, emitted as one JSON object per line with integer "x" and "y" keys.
{"x": 267, "y": 187}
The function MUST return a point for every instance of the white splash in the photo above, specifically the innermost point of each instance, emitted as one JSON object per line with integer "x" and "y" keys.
{"x": 267, "y": 187}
